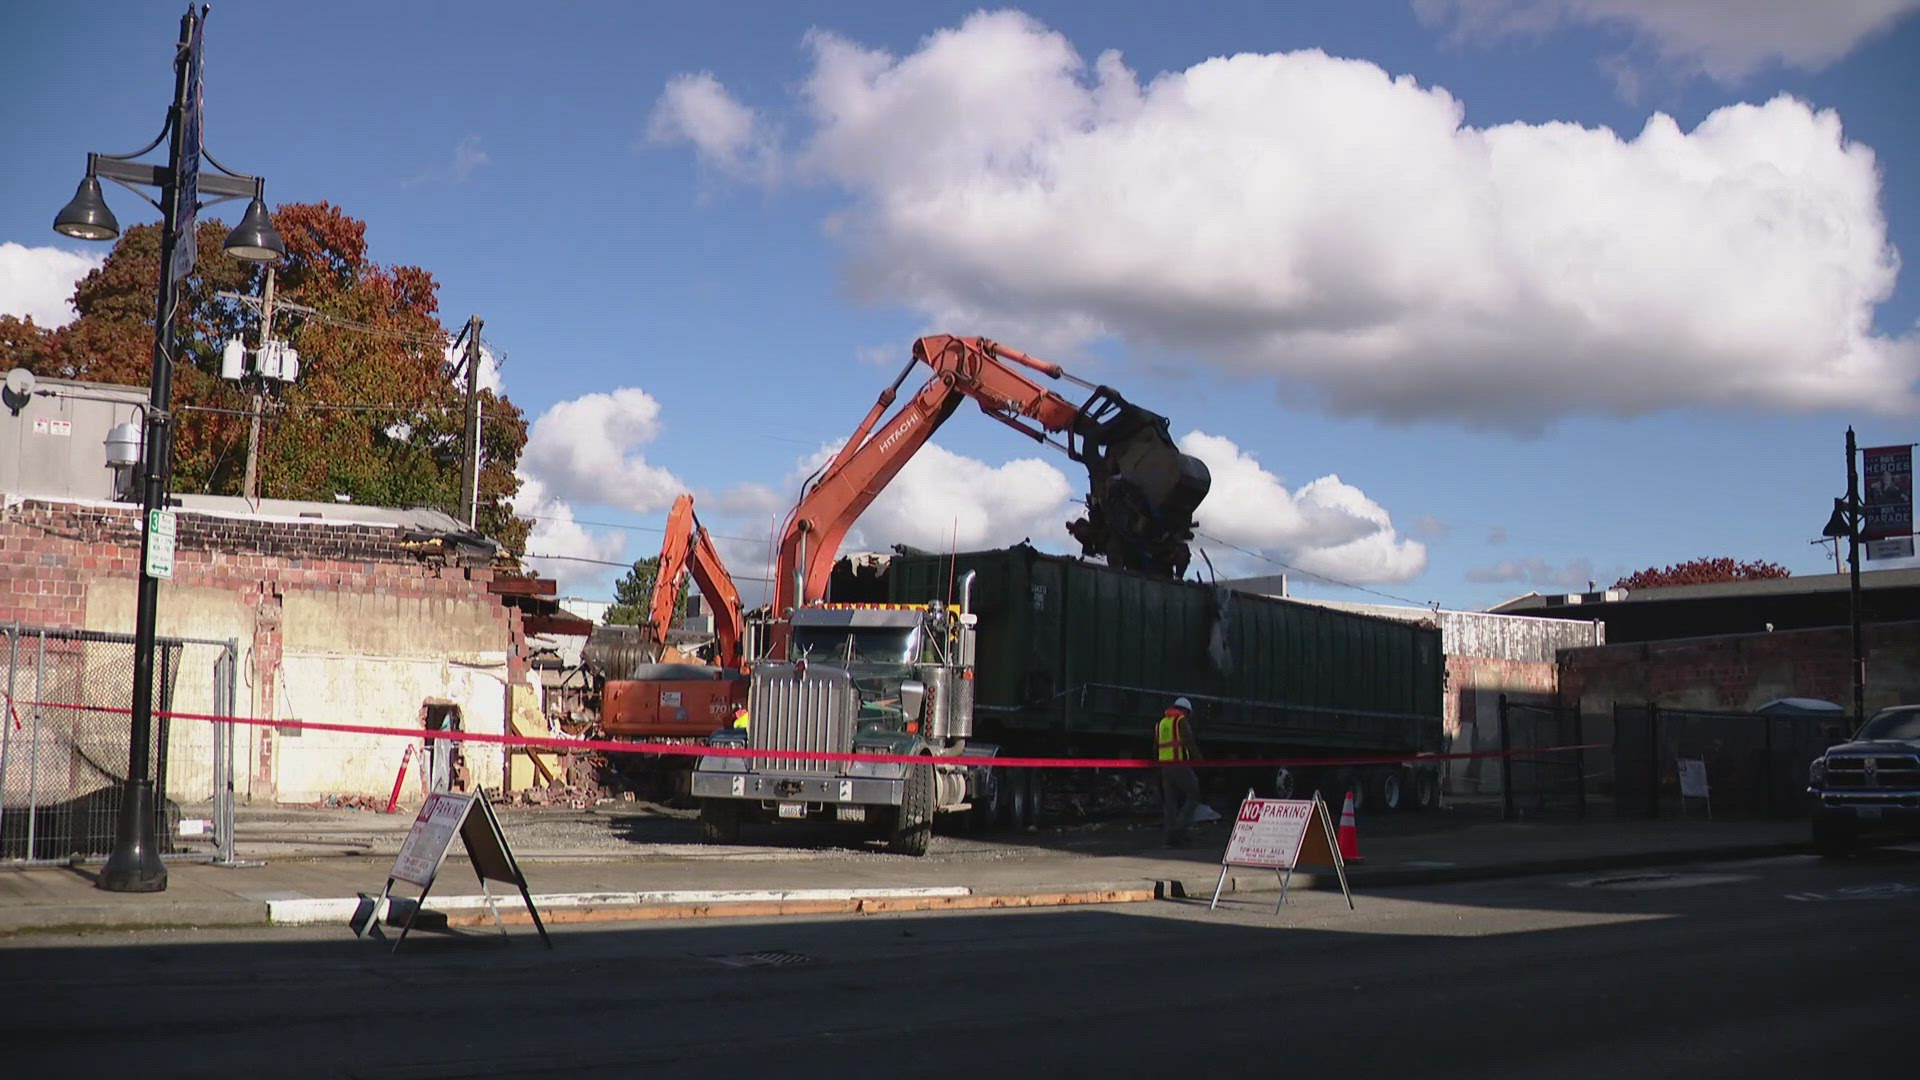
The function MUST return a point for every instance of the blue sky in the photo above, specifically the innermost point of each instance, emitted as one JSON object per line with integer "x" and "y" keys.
{"x": 1448, "y": 317}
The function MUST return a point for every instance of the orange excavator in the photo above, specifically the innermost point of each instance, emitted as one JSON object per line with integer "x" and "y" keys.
{"x": 1142, "y": 491}
{"x": 644, "y": 697}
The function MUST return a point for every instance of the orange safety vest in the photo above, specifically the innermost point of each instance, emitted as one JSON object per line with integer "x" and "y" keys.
{"x": 1169, "y": 737}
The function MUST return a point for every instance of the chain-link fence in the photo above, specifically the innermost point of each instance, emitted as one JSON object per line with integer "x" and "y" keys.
{"x": 1534, "y": 783}
{"x": 66, "y": 734}
{"x": 1753, "y": 764}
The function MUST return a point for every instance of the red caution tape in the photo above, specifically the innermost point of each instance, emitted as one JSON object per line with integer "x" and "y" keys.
{"x": 703, "y": 750}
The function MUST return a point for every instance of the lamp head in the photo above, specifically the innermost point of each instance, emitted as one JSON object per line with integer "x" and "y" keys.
{"x": 254, "y": 239}
{"x": 86, "y": 217}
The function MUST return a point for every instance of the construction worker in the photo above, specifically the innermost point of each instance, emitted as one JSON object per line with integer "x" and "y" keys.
{"x": 740, "y": 718}
{"x": 1174, "y": 746}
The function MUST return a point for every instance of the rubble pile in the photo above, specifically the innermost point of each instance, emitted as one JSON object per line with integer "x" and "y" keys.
{"x": 585, "y": 780}
{"x": 1095, "y": 795}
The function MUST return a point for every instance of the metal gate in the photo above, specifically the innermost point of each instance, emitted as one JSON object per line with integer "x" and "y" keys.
{"x": 1754, "y": 764}
{"x": 1534, "y": 783}
{"x": 65, "y": 735}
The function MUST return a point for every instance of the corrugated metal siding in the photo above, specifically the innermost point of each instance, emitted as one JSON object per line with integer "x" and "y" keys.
{"x": 1073, "y": 648}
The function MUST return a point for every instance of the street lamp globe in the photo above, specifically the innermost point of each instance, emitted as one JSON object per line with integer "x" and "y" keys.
{"x": 86, "y": 216}
{"x": 255, "y": 239}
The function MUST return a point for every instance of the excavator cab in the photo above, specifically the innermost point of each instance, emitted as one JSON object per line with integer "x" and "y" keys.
{"x": 1142, "y": 491}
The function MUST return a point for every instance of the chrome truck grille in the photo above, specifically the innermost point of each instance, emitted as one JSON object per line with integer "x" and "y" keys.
{"x": 1874, "y": 772}
{"x": 791, "y": 711}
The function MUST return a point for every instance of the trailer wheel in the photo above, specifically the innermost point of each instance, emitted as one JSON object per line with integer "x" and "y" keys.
{"x": 1285, "y": 783}
{"x": 1426, "y": 790}
{"x": 913, "y": 825}
{"x": 1021, "y": 780}
{"x": 1334, "y": 785}
{"x": 719, "y": 821}
{"x": 1388, "y": 789}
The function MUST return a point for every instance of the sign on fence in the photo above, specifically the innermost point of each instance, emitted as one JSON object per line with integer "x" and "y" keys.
{"x": 1278, "y": 835}
{"x": 446, "y": 815}
{"x": 1693, "y": 783}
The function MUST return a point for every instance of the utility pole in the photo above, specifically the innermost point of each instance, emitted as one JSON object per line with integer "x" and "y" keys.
{"x": 470, "y": 466}
{"x": 249, "y": 487}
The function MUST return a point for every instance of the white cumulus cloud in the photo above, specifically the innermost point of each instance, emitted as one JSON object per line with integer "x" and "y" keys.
{"x": 1724, "y": 39}
{"x": 941, "y": 500}
{"x": 590, "y": 450}
{"x": 575, "y": 551}
{"x": 697, "y": 109}
{"x": 1327, "y": 527}
{"x": 1342, "y": 231}
{"x": 37, "y": 282}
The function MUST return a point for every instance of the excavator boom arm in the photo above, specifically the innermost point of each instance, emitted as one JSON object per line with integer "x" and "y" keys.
{"x": 1143, "y": 490}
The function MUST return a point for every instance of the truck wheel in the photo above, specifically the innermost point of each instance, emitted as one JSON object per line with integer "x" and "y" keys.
{"x": 719, "y": 821}
{"x": 1426, "y": 790}
{"x": 1833, "y": 839}
{"x": 913, "y": 827}
{"x": 1387, "y": 789}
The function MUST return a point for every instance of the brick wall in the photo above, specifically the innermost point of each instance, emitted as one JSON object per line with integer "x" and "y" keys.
{"x": 49, "y": 551}
{"x": 54, "y": 554}
{"x": 1740, "y": 672}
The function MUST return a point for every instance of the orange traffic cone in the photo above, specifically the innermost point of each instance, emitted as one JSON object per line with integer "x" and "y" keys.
{"x": 1347, "y": 835}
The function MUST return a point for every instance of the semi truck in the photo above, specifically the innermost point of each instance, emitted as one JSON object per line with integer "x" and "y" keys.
{"x": 899, "y": 676}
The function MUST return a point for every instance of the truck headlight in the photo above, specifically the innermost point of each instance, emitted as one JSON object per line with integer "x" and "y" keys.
{"x": 1817, "y": 772}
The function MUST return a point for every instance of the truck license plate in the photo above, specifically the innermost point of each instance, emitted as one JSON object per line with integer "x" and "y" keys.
{"x": 1869, "y": 813}
{"x": 850, "y": 813}
{"x": 793, "y": 809}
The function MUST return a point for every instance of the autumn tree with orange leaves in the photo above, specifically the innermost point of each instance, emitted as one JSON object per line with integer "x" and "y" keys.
{"x": 375, "y": 413}
{"x": 1702, "y": 572}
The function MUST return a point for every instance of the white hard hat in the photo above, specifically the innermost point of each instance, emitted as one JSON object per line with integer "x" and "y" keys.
{"x": 1183, "y": 703}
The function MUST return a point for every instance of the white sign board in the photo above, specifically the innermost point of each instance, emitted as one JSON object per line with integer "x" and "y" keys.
{"x": 1268, "y": 833}
{"x": 1280, "y": 834}
{"x": 1693, "y": 778}
{"x": 160, "y": 533}
{"x": 432, "y": 834}
{"x": 1897, "y": 548}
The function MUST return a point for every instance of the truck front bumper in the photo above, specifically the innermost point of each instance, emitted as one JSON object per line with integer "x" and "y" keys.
{"x": 714, "y": 779}
{"x": 1870, "y": 809}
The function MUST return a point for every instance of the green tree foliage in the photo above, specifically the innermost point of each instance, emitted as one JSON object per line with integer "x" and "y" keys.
{"x": 375, "y": 414}
{"x": 633, "y": 594}
{"x": 1702, "y": 572}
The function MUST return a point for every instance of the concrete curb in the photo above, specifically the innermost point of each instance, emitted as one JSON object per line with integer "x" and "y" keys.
{"x": 1361, "y": 878}
{"x": 308, "y": 911}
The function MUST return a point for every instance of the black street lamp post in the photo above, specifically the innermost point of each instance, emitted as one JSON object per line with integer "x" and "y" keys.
{"x": 1845, "y": 524}
{"x": 134, "y": 865}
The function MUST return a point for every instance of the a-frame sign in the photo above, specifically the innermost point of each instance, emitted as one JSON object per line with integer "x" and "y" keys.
{"x": 445, "y": 815}
{"x": 1279, "y": 834}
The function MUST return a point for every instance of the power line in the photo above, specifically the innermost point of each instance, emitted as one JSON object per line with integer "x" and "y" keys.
{"x": 621, "y": 565}
{"x": 639, "y": 528}
{"x": 1318, "y": 577}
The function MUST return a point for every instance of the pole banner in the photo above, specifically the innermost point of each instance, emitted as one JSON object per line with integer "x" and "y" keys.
{"x": 1889, "y": 499}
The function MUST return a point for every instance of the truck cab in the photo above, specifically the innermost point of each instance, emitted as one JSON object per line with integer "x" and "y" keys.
{"x": 1868, "y": 785}
{"x": 893, "y": 679}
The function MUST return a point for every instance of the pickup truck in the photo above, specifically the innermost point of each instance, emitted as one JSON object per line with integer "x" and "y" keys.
{"x": 1868, "y": 786}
